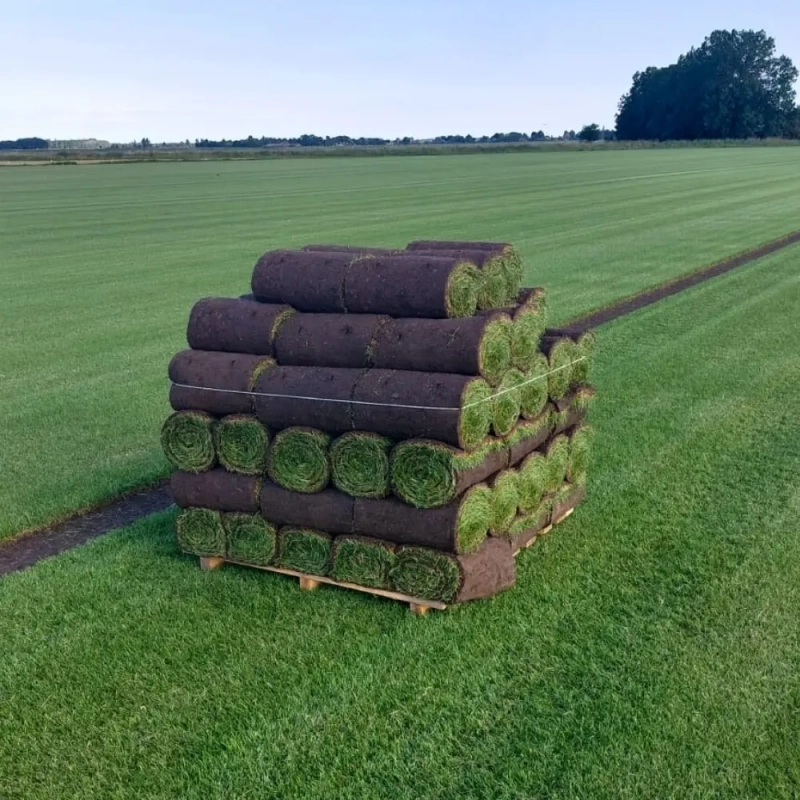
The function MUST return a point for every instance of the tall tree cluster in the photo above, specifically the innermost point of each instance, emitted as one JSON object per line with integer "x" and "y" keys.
{"x": 731, "y": 87}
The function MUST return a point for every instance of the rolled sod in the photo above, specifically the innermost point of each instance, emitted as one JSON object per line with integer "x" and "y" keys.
{"x": 328, "y": 340}
{"x": 528, "y": 436}
{"x": 430, "y": 474}
{"x": 528, "y": 327}
{"x": 533, "y": 392}
{"x": 407, "y": 405}
{"x": 533, "y": 482}
{"x": 298, "y": 460}
{"x": 188, "y": 441}
{"x": 217, "y": 489}
{"x": 571, "y": 409}
{"x": 580, "y": 450}
{"x": 200, "y": 532}
{"x": 215, "y": 382}
{"x": 328, "y": 510}
{"x": 412, "y": 286}
{"x": 235, "y": 326}
{"x": 505, "y": 501}
{"x": 362, "y": 560}
{"x": 425, "y": 573}
{"x": 307, "y": 281}
{"x": 487, "y": 572}
{"x": 316, "y": 397}
{"x": 567, "y": 497}
{"x": 557, "y": 456}
{"x": 459, "y": 527}
{"x": 562, "y": 355}
{"x": 472, "y": 346}
{"x": 507, "y": 403}
{"x": 348, "y": 248}
{"x": 241, "y": 442}
{"x": 360, "y": 464}
{"x": 250, "y": 539}
{"x": 304, "y": 550}
{"x": 526, "y": 527}
{"x": 587, "y": 345}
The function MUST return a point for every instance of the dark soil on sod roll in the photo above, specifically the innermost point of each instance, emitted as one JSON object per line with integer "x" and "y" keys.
{"x": 471, "y": 346}
{"x": 298, "y": 460}
{"x": 218, "y": 489}
{"x": 328, "y": 510}
{"x": 328, "y": 340}
{"x": 237, "y": 372}
{"x": 456, "y": 528}
{"x": 307, "y": 281}
{"x": 304, "y": 550}
{"x": 528, "y": 436}
{"x": 326, "y": 383}
{"x": 200, "y": 532}
{"x": 426, "y": 574}
{"x": 187, "y": 438}
{"x": 235, "y": 326}
{"x": 353, "y": 249}
{"x": 527, "y": 527}
{"x": 567, "y": 497}
{"x": 487, "y": 572}
{"x": 362, "y": 560}
{"x": 412, "y": 286}
{"x": 435, "y": 244}
{"x": 360, "y": 464}
{"x": 249, "y": 539}
{"x": 241, "y": 442}
{"x": 436, "y": 399}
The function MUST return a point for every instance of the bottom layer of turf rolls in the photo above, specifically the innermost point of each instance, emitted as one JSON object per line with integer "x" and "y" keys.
{"x": 241, "y": 442}
{"x": 250, "y": 539}
{"x": 362, "y": 561}
{"x": 188, "y": 441}
{"x": 200, "y": 532}
{"x": 304, "y": 550}
{"x": 474, "y": 517}
{"x": 360, "y": 464}
{"x": 298, "y": 459}
{"x": 428, "y": 574}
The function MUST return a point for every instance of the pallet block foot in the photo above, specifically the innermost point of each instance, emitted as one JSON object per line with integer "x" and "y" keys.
{"x": 545, "y": 531}
{"x": 564, "y": 516}
{"x": 208, "y": 564}
{"x": 308, "y": 584}
{"x": 418, "y": 609}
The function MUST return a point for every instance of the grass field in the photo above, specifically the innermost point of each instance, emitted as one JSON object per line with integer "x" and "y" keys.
{"x": 650, "y": 650}
{"x": 102, "y": 263}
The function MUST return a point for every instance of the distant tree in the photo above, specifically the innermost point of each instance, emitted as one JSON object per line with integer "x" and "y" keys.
{"x": 538, "y": 136}
{"x": 145, "y": 144}
{"x": 589, "y": 133}
{"x": 30, "y": 143}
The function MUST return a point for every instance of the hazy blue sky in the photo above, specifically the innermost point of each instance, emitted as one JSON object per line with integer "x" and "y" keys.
{"x": 177, "y": 70}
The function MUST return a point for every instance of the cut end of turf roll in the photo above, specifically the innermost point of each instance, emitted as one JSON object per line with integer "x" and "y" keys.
{"x": 188, "y": 441}
{"x": 494, "y": 284}
{"x": 529, "y": 325}
{"x": 533, "y": 519}
{"x": 533, "y": 393}
{"x": 462, "y": 290}
{"x": 242, "y": 443}
{"x": 423, "y": 473}
{"x": 304, "y": 550}
{"x": 533, "y": 482}
{"x": 427, "y": 574}
{"x": 298, "y": 460}
{"x": 362, "y": 560}
{"x": 580, "y": 451}
{"x": 494, "y": 350}
{"x": 563, "y": 354}
{"x": 200, "y": 532}
{"x": 277, "y": 322}
{"x": 505, "y": 501}
{"x": 585, "y": 348}
{"x": 263, "y": 365}
{"x": 475, "y": 417}
{"x": 250, "y": 539}
{"x": 513, "y": 271}
{"x": 507, "y": 403}
{"x": 474, "y": 516}
{"x": 557, "y": 459}
{"x": 360, "y": 464}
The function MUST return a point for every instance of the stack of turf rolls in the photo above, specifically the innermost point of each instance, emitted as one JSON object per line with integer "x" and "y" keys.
{"x": 399, "y": 420}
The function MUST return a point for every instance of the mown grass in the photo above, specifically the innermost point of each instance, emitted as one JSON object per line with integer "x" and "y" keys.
{"x": 101, "y": 265}
{"x": 651, "y": 647}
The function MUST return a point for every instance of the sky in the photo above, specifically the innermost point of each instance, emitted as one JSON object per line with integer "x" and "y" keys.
{"x": 172, "y": 71}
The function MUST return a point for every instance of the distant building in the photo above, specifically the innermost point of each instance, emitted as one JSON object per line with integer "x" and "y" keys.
{"x": 79, "y": 144}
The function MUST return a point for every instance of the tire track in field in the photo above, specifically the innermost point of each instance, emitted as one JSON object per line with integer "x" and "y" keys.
{"x": 30, "y": 548}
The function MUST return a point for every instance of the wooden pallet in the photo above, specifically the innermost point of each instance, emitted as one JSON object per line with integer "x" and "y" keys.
{"x": 310, "y": 582}
{"x": 544, "y": 531}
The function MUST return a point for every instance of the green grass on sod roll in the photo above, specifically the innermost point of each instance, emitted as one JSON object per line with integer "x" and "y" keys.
{"x": 585, "y": 348}
{"x": 506, "y": 406}
{"x": 557, "y": 459}
{"x": 514, "y": 272}
{"x": 474, "y": 516}
{"x": 494, "y": 284}
{"x": 533, "y": 393}
{"x": 363, "y": 561}
{"x": 580, "y": 451}
{"x": 298, "y": 460}
{"x": 304, "y": 550}
{"x": 427, "y": 574}
{"x": 495, "y": 349}
{"x": 249, "y": 539}
{"x": 530, "y": 428}
{"x": 563, "y": 353}
{"x": 529, "y": 324}
{"x": 360, "y": 464}
{"x": 462, "y": 290}
{"x": 475, "y": 417}
{"x": 532, "y": 519}
{"x": 584, "y": 397}
{"x": 188, "y": 441}
{"x": 533, "y": 483}
{"x": 505, "y": 501}
{"x": 242, "y": 443}
{"x": 200, "y": 532}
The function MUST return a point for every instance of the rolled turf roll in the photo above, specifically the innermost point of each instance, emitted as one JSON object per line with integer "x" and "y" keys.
{"x": 426, "y": 574}
{"x": 215, "y": 382}
{"x": 235, "y": 326}
{"x": 188, "y": 441}
{"x": 298, "y": 460}
{"x": 507, "y": 402}
{"x": 448, "y": 408}
{"x": 567, "y": 496}
{"x": 533, "y": 392}
{"x": 456, "y": 528}
{"x": 328, "y": 340}
{"x": 528, "y": 436}
{"x": 505, "y": 501}
{"x": 307, "y": 281}
{"x": 526, "y": 527}
{"x": 348, "y": 248}
{"x": 360, "y": 464}
{"x": 528, "y": 327}
{"x": 430, "y": 474}
{"x": 412, "y": 286}
{"x": 571, "y": 409}
{"x": 562, "y": 355}
{"x": 472, "y": 346}
{"x": 241, "y": 442}
{"x": 200, "y": 532}
{"x": 362, "y": 560}
{"x": 249, "y": 539}
{"x": 487, "y": 572}
{"x": 328, "y": 392}
{"x": 533, "y": 482}
{"x": 580, "y": 450}
{"x": 557, "y": 455}
{"x": 217, "y": 489}
{"x": 328, "y": 510}
{"x": 585, "y": 347}
{"x": 304, "y": 550}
